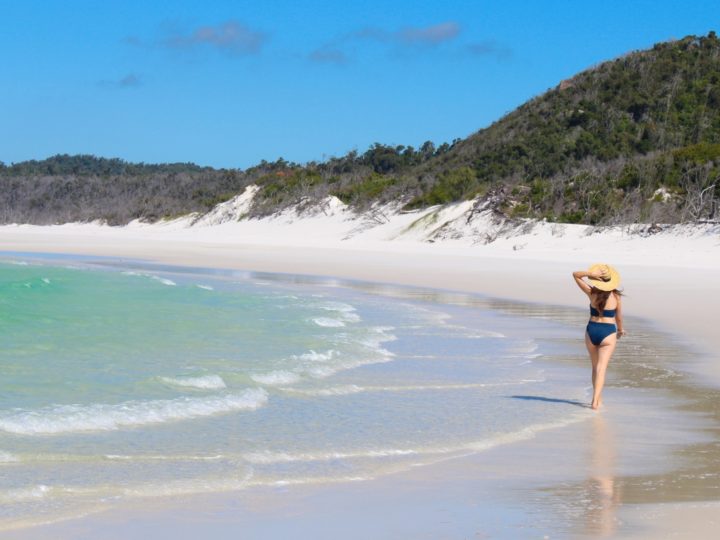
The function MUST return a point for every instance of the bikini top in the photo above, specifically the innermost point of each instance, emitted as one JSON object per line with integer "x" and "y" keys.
{"x": 606, "y": 312}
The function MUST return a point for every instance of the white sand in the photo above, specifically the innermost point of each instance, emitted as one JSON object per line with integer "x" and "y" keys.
{"x": 670, "y": 278}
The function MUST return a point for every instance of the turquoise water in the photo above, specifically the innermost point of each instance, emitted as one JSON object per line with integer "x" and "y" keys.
{"x": 124, "y": 382}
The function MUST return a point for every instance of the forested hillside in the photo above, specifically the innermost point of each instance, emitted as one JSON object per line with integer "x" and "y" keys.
{"x": 635, "y": 139}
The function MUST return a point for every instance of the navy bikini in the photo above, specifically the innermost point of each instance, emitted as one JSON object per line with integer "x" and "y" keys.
{"x": 598, "y": 331}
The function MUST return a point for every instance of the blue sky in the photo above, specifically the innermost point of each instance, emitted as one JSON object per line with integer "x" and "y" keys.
{"x": 229, "y": 83}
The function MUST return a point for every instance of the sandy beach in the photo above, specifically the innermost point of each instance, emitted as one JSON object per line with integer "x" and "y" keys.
{"x": 299, "y": 270}
{"x": 670, "y": 283}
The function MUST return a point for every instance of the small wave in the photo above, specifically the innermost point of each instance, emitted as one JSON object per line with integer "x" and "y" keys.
{"x": 345, "y": 311}
{"x": 375, "y": 346}
{"x": 336, "y": 306}
{"x": 467, "y": 448}
{"x": 525, "y": 362}
{"x": 322, "y": 371}
{"x": 205, "y": 287}
{"x": 165, "y": 281}
{"x": 333, "y": 391}
{"x": 328, "y": 322}
{"x": 268, "y": 458}
{"x": 470, "y": 333}
{"x": 162, "y": 280}
{"x": 206, "y": 382}
{"x": 231, "y": 482}
{"x": 325, "y": 371}
{"x": 524, "y": 348}
{"x": 276, "y": 378}
{"x": 161, "y": 457}
{"x": 6, "y": 457}
{"x": 482, "y": 334}
{"x": 24, "y": 494}
{"x": 102, "y": 417}
{"x": 320, "y": 365}
{"x": 378, "y": 334}
{"x": 46, "y": 281}
{"x": 349, "y": 389}
{"x": 313, "y": 356}
{"x": 525, "y": 357}
{"x": 428, "y": 316}
{"x": 374, "y": 354}
{"x": 309, "y": 480}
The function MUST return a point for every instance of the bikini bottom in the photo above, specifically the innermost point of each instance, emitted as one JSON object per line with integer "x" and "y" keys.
{"x": 598, "y": 331}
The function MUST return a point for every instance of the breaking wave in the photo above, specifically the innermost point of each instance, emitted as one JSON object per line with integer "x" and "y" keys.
{"x": 103, "y": 417}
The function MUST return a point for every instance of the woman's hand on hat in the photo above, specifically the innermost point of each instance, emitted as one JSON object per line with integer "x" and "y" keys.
{"x": 603, "y": 274}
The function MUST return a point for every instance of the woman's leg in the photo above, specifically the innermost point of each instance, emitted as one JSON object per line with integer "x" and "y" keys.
{"x": 593, "y": 352}
{"x": 605, "y": 351}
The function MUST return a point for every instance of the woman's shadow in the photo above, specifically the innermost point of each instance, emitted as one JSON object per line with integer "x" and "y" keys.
{"x": 553, "y": 400}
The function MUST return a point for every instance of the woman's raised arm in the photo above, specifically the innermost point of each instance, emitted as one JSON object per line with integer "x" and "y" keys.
{"x": 578, "y": 275}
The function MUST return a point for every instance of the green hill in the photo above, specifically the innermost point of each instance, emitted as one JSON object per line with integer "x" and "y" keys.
{"x": 635, "y": 139}
{"x": 599, "y": 146}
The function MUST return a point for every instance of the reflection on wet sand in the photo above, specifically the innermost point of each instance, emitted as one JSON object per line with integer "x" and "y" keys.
{"x": 603, "y": 492}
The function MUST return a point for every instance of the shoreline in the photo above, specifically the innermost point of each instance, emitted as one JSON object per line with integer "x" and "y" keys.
{"x": 666, "y": 280}
{"x": 502, "y": 277}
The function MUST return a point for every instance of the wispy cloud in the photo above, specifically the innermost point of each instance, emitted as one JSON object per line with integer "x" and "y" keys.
{"x": 490, "y": 48}
{"x": 430, "y": 35}
{"x": 412, "y": 35}
{"x": 231, "y": 37}
{"x": 131, "y": 80}
{"x": 407, "y": 38}
{"x": 329, "y": 55}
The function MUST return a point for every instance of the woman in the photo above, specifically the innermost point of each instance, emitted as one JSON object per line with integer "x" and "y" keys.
{"x": 606, "y": 321}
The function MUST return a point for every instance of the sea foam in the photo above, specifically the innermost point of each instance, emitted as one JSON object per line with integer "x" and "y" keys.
{"x": 328, "y": 322}
{"x": 164, "y": 281}
{"x": 276, "y": 378}
{"x": 206, "y": 382}
{"x": 6, "y": 457}
{"x": 452, "y": 450}
{"x": 344, "y": 311}
{"x": 58, "y": 419}
{"x": 25, "y": 494}
{"x": 313, "y": 356}
{"x": 349, "y": 389}
{"x": 265, "y": 458}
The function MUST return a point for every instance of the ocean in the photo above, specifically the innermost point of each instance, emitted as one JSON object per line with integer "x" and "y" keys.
{"x": 122, "y": 380}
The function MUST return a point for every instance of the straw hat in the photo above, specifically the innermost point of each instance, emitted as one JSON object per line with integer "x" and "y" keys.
{"x": 604, "y": 285}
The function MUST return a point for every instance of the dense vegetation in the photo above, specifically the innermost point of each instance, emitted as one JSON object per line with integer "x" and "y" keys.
{"x": 85, "y": 188}
{"x": 636, "y": 139}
